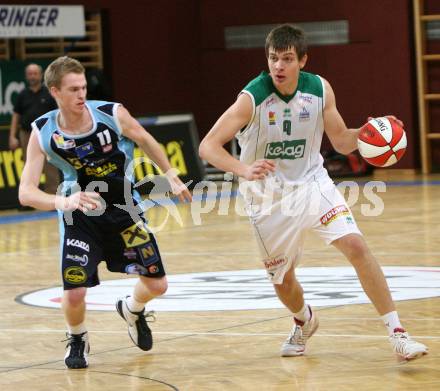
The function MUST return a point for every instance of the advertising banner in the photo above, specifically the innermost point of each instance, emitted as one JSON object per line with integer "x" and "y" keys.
{"x": 37, "y": 21}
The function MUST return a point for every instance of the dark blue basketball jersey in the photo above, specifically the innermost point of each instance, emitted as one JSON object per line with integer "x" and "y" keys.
{"x": 102, "y": 154}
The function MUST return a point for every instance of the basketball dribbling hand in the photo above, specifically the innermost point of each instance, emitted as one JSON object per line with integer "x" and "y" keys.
{"x": 259, "y": 169}
{"x": 391, "y": 117}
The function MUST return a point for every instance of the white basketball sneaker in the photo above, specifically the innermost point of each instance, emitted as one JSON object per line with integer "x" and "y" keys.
{"x": 405, "y": 347}
{"x": 138, "y": 329}
{"x": 295, "y": 344}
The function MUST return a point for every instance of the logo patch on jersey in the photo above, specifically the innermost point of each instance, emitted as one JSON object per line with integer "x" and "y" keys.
{"x": 135, "y": 235}
{"x": 61, "y": 143}
{"x": 272, "y": 120}
{"x": 69, "y": 144}
{"x": 293, "y": 149}
{"x": 101, "y": 171}
{"x": 75, "y": 162}
{"x": 304, "y": 115}
{"x": 334, "y": 213}
{"x": 270, "y": 102}
{"x": 287, "y": 113}
{"x": 59, "y": 140}
{"x": 84, "y": 150}
{"x": 306, "y": 98}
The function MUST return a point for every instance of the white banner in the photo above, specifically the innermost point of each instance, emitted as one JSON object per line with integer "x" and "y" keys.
{"x": 27, "y": 21}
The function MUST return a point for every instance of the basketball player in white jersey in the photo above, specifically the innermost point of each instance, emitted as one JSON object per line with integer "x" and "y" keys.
{"x": 279, "y": 119}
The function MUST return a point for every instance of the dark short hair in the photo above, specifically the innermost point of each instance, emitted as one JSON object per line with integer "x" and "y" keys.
{"x": 287, "y": 36}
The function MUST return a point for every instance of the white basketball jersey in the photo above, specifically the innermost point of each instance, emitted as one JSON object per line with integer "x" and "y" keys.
{"x": 287, "y": 129}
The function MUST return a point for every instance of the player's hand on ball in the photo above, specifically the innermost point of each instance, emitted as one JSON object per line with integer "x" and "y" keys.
{"x": 382, "y": 141}
{"x": 391, "y": 117}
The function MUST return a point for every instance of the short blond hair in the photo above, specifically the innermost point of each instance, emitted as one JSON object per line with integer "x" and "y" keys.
{"x": 60, "y": 67}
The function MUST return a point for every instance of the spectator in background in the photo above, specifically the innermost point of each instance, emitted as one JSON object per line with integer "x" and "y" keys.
{"x": 32, "y": 102}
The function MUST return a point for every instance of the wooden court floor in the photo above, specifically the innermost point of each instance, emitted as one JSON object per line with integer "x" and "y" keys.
{"x": 228, "y": 349}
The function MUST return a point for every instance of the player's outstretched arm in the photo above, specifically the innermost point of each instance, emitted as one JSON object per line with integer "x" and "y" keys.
{"x": 343, "y": 140}
{"x": 224, "y": 130}
{"x": 133, "y": 130}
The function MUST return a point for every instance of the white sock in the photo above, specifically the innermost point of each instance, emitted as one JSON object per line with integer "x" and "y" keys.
{"x": 133, "y": 305}
{"x": 77, "y": 329}
{"x": 391, "y": 321}
{"x": 303, "y": 314}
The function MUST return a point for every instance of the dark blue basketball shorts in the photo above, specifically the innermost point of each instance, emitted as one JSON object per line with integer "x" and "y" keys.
{"x": 126, "y": 247}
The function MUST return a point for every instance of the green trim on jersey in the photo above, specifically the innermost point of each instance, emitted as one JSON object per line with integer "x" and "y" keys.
{"x": 310, "y": 84}
{"x": 261, "y": 87}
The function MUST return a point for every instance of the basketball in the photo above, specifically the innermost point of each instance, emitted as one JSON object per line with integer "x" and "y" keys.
{"x": 382, "y": 142}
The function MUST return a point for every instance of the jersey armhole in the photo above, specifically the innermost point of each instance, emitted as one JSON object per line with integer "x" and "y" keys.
{"x": 115, "y": 117}
{"x": 40, "y": 140}
{"x": 246, "y": 128}
{"x": 323, "y": 92}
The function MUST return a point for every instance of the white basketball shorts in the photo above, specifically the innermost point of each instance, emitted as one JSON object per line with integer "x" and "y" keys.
{"x": 281, "y": 215}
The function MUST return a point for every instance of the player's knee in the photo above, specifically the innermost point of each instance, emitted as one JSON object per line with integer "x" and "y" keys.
{"x": 157, "y": 287}
{"x": 359, "y": 248}
{"x": 358, "y": 252}
{"x": 74, "y": 297}
{"x": 353, "y": 246}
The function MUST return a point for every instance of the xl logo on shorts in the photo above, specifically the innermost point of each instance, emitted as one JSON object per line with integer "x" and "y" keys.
{"x": 331, "y": 215}
{"x": 135, "y": 235}
{"x": 293, "y": 149}
{"x": 78, "y": 243}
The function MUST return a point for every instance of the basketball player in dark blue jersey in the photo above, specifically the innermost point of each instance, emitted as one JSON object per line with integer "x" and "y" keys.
{"x": 92, "y": 143}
